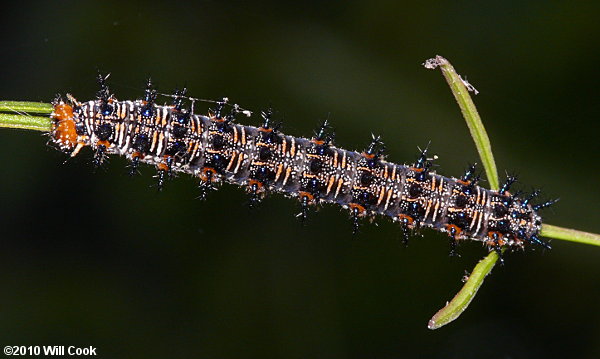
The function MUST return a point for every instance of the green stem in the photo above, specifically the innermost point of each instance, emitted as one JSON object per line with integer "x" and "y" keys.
{"x": 471, "y": 116}
{"x": 19, "y": 115}
{"x": 463, "y": 298}
{"x": 22, "y": 122}
{"x": 27, "y": 107}
{"x": 571, "y": 235}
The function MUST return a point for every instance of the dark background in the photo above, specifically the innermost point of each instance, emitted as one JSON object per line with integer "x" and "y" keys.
{"x": 101, "y": 259}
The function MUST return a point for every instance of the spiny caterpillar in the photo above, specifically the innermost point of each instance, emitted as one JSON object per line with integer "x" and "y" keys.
{"x": 217, "y": 150}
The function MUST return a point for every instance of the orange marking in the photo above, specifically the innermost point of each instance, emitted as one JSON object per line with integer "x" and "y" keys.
{"x": 331, "y": 182}
{"x": 303, "y": 194}
{"x": 156, "y": 119}
{"x": 103, "y": 143}
{"x": 255, "y": 182}
{"x": 344, "y": 160}
{"x": 279, "y": 170}
{"x": 64, "y": 128}
{"x": 162, "y": 167}
{"x": 417, "y": 169}
{"x": 435, "y": 211}
{"x": 339, "y": 186}
{"x": 284, "y": 146}
{"x": 427, "y": 209}
{"x": 368, "y": 156}
{"x": 205, "y": 171}
{"x": 164, "y": 118}
{"x": 80, "y": 145}
{"x": 381, "y": 195}
{"x": 408, "y": 218}
{"x": 153, "y": 141}
{"x": 317, "y": 142}
{"x": 243, "y": 136}
{"x": 267, "y": 130}
{"x": 496, "y": 236}
{"x": 440, "y": 188}
{"x": 293, "y": 148}
{"x": 231, "y": 161}
{"x": 466, "y": 183}
{"x": 136, "y": 154}
{"x": 360, "y": 208}
{"x": 288, "y": 171}
{"x": 335, "y": 159}
{"x": 193, "y": 125}
{"x": 476, "y": 213}
{"x": 193, "y": 149}
{"x": 240, "y": 159}
{"x": 235, "y": 134}
{"x": 161, "y": 137}
{"x": 457, "y": 230}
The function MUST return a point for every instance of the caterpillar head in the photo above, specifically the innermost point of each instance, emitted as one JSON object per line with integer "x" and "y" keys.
{"x": 63, "y": 128}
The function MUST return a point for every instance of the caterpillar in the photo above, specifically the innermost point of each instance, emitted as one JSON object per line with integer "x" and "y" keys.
{"x": 216, "y": 149}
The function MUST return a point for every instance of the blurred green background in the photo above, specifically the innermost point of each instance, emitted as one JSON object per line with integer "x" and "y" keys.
{"x": 101, "y": 259}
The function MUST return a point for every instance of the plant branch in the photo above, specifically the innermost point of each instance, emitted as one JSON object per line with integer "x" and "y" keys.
{"x": 34, "y": 123}
{"x": 460, "y": 89}
{"x": 570, "y": 235}
{"x": 463, "y": 298}
{"x": 18, "y": 114}
{"x": 26, "y": 107}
